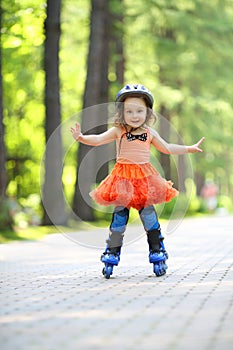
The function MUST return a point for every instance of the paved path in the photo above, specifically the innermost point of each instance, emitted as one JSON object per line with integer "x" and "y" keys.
{"x": 53, "y": 295}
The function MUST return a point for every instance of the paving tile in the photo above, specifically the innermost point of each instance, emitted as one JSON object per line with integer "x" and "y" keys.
{"x": 54, "y": 296}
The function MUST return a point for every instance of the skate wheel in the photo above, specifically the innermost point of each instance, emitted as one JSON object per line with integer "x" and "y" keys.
{"x": 160, "y": 269}
{"x": 107, "y": 271}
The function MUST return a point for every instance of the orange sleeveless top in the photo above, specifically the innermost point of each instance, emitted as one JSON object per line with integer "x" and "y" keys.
{"x": 133, "y": 151}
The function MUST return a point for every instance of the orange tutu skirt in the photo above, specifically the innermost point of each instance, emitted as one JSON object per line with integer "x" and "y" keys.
{"x": 133, "y": 185}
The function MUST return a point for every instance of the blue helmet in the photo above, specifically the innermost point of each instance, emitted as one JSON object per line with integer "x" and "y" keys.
{"x": 135, "y": 89}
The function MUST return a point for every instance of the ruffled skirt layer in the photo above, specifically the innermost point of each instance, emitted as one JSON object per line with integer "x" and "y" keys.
{"x": 133, "y": 185}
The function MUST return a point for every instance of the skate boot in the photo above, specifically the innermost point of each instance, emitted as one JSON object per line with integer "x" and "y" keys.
{"x": 157, "y": 252}
{"x": 111, "y": 255}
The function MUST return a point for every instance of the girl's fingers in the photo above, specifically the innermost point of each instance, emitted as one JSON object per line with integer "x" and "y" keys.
{"x": 201, "y": 140}
{"x": 76, "y": 129}
{"x": 199, "y": 143}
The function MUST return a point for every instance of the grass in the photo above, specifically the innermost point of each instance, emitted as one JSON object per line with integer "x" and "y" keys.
{"x": 38, "y": 232}
{"x": 29, "y": 233}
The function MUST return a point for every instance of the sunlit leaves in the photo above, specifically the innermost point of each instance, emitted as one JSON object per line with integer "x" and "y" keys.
{"x": 182, "y": 50}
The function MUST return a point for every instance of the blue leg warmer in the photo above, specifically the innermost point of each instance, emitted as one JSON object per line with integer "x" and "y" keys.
{"x": 117, "y": 228}
{"x": 119, "y": 220}
{"x": 152, "y": 227}
{"x": 149, "y": 218}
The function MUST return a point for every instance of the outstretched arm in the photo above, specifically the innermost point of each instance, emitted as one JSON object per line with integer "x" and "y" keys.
{"x": 94, "y": 140}
{"x": 170, "y": 148}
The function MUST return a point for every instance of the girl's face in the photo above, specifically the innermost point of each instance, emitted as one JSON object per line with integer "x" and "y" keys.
{"x": 135, "y": 111}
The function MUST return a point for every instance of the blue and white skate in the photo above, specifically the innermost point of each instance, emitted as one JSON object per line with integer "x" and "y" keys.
{"x": 110, "y": 260}
{"x": 158, "y": 259}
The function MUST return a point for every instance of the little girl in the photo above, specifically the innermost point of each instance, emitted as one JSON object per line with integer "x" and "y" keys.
{"x": 133, "y": 181}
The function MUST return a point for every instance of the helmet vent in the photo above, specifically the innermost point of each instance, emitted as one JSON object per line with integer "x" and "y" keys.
{"x": 128, "y": 90}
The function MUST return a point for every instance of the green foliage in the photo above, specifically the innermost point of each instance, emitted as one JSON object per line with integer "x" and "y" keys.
{"x": 22, "y": 45}
{"x": 73, "y": 55}
{"x": 184, "y": 52}
{"x": 226, "y": 203}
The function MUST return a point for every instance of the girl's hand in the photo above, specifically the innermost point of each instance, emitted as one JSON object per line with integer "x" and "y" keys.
{"x": 196, "y": 148}
{"x": 76, "y": 132}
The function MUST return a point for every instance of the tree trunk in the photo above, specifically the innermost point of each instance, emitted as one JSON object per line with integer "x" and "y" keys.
{"x": 181, "y": 173}
{"x": 3, "y": 173}
{"x": 53, "y": 199}
{"x": 91, "y": 168}
{"x": 117, "y": 40}
{"x": 6, "y": 222}
{"x": 165, "y": 133}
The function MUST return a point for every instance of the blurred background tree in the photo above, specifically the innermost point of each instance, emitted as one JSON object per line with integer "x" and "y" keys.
{"x": 53, "y": 198}
{"x": 6, "y": 221}
{"x": 181, "y": 50}
{"x": 96, "y": 92}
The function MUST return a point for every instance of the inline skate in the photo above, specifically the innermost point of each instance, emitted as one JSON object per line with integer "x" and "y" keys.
{"x": 157, "y": 252}
{"x": 111, "y": 255}
{"x": 110, "y": 258}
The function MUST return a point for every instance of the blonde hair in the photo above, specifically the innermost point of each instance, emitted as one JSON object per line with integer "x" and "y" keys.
{"x": 119, "y": 121}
